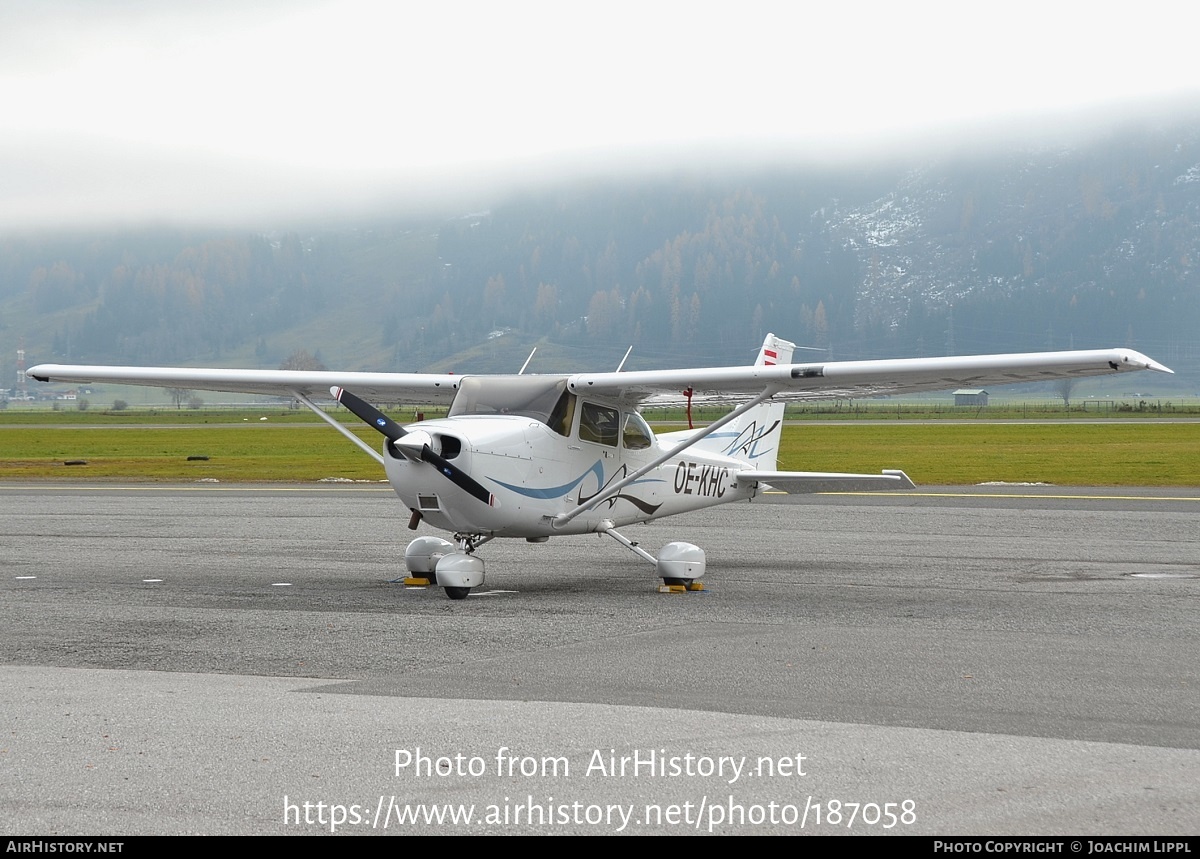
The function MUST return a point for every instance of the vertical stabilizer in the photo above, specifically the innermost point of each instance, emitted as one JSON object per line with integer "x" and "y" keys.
{"x": 754, "y": 437}
{"x": 774, "y": 351}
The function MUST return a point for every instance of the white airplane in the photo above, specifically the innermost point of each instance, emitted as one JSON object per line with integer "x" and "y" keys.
{"x": 539, "y": 456}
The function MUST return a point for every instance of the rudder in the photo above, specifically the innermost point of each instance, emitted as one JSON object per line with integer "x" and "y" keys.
{"x": 754, "y": 437}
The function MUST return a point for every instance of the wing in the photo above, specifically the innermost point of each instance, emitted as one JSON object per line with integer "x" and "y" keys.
{"x": 846, "y": 379}
{"x": 415, "y": 388}
{"x": 854, "y": 379}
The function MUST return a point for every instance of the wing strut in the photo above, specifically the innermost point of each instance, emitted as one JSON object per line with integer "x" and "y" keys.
{"x": 563, "y": 518}
{"x": 337, "y": 426}
{"x": 521, "y": 372}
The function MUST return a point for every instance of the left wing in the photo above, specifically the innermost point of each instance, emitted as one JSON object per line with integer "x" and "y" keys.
{"x": 415, "y": 388}
{"x": 854, "y": 379}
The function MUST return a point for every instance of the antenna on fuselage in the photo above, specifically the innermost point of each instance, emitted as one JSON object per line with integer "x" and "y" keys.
{"x": 521, "y": 372}
{"x": 626, "y": 358}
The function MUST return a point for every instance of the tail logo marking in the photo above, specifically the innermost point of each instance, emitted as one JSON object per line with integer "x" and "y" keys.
{"x": 747, "y": 441}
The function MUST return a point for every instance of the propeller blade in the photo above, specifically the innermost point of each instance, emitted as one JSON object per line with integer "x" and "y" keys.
{"x": 367, "y": 413}
{"x": 457, "y": 476}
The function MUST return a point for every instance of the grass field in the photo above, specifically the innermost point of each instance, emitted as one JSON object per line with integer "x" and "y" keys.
{"x": 1094, "y": 454}
{"x": 295, "y": 446}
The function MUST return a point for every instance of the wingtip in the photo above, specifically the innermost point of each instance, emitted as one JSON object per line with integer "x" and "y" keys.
{"x": 1151, "y": 364}
{"x": 1143, "y": 362}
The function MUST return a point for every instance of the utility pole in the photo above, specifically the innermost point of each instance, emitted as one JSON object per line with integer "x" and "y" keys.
{"x": 20, "y": 386}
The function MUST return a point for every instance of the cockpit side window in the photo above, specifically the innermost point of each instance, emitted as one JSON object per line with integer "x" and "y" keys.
{"x": 598, "y": 424}
{"x": 563, "y": 416}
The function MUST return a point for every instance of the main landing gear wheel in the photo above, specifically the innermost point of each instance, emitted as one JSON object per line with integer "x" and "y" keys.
{"x": 679, "y": 565}
{"x": 457, "y": 593}
{"x": 422, "y": 555}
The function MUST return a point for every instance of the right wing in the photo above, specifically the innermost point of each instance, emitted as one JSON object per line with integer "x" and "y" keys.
{"x": 412, "y": 388}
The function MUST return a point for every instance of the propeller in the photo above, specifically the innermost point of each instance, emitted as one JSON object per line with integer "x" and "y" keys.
{"x": 367, "y": 413}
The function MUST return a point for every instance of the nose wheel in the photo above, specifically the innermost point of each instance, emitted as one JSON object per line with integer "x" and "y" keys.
{"x": 451, "y": 567}
{"x": 458, "y": 572}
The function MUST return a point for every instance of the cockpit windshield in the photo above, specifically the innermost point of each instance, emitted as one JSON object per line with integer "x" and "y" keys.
{"x": 542, "y": 398}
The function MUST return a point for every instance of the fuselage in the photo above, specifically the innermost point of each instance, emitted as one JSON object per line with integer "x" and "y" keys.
{"x": 536, "y": 473}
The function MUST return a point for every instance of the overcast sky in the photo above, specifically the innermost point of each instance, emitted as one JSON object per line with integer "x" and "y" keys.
{"x": 137, "y": 109}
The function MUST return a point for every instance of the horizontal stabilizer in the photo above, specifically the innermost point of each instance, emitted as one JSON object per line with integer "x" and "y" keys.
{"x": 797, "y": 482}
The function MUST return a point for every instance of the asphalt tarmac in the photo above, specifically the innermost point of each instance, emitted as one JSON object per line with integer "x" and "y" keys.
{"x": 239, "y": 660}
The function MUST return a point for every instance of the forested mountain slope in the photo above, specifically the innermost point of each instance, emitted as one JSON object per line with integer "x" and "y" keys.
{"x": 1094, "y": 245}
